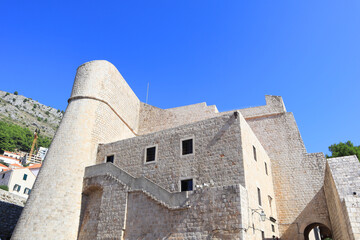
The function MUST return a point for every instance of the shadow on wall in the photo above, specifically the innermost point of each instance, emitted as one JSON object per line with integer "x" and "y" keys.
{"x": 90, "y": 210}
{"x": 314, "y": 214}
{"x": 9, "y": 215}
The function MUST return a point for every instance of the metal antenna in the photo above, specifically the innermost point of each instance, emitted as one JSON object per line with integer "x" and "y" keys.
{"x": 147, "y": 93}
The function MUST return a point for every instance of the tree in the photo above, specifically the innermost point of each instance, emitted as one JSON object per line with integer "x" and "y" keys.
{"x": 344, "y": 149}
{"x": 16, "y": 93}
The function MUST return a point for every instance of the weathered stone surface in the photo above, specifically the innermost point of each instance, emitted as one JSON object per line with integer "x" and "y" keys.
{"x": 11, "y": 206}
{"x": 244, "y": 163}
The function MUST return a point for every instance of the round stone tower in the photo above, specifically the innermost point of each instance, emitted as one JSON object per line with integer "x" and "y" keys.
{"x": 102, "y": 108}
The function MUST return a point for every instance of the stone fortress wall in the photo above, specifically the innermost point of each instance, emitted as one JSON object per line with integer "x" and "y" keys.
{"x": 103, "y": 110}
{"x": 298, "y": 176}
{"x": 11, "y": 206}
{"x": 223, "y": 149}
{"x": 342, "y": 190}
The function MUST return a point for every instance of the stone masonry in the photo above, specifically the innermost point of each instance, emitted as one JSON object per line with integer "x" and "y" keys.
{"x": 247, "y": 174}
{"x": 11, "y": 206}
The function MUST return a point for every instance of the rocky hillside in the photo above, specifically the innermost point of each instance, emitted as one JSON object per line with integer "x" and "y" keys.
{"x": 29, "y": 113}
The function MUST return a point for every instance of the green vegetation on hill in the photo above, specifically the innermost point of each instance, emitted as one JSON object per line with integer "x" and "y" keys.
{"x": 344, "y": 149}
{"x": 15, "y": 137}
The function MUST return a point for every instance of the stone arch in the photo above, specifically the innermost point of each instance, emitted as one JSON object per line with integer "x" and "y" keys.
{"x": 324, "y": 230}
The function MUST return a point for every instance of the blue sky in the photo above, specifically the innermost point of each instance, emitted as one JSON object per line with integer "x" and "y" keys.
{"x": 228, "y": 53}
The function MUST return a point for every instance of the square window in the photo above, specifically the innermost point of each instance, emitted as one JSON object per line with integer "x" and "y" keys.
{"x": 150, "y": 154}
{"x": 25, "y": 177}
{"x": 186, "y": 185}
{"x": 254, "y": 152}
{"x": 110, "y": 158}
{"x": 187, "y": 146}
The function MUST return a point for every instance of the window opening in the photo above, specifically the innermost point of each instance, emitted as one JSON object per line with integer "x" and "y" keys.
{"x": 17, "y": 188}
{"x": 25, "y": 177}
{"x": 270, "y": 201}
{"x": 150, "y": 154}
{"x": 187, "y": 147}
{"x": 3, "y": 175}
{"x": 273, "y": 227}
{"x": 259, "y": 196}
{"x": 254, "y": 152}
{"x": 262, "y": 235}
{"x": 186, "y": 185}
{"x": 110, "y": 158}
{"x": 266, "y": 170}
{"x": 27, "y": 191}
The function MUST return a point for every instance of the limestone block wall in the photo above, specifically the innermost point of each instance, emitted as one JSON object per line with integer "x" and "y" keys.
{"x": 101, "y": 109}
{"x": 214, "y": 213}
{"x": 342, "y": 188}
{"x": 297, "y": 176}
{"x": 11, "y": 206}
{"x": 103, "y": 209}
{"x": 153, "y": 119}
{"x": 258, "y": 175}
{"x": 217, "y": 154}
{"x": 274, "y": 105}
{"x": 114, "y": 207}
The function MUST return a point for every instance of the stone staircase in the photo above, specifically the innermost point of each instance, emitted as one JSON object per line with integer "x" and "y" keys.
{"x": 173, "y": 201}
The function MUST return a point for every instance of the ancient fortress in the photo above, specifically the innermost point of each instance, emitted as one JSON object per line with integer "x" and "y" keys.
{"x": 121, "y": 169}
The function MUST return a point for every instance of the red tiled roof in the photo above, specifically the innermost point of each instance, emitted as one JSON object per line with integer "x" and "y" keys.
{"x": 15, "y": 165}
{"x": 38, "y": 165}
{"x": 3, "y": 166}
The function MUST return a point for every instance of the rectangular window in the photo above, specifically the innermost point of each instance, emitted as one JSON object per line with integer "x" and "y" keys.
{"x": 254, "y": 152}
{"x": 262, "y": 235}
{"x": 110, "y": 158}
{"x": 27, "y": 191}
{"x": 273, "y": 227}
{"x": 150, "y": 154}
{"x": 187, "y": 147}
{"x": 186, "y": 185}
{"x": 270, "y": 204}
{"x": 259, "y": 196}
{"x": 17, "y": 188}
{"x": 25, "y": 177}
{"x": 3, "y": 175}
{"x": 266, "y": 171}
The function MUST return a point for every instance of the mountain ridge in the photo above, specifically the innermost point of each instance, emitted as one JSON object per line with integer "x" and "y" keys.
{"x": 29, "y": 113}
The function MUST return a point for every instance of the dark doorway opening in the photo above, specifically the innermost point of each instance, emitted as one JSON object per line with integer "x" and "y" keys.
{"x": 317, "y": 231}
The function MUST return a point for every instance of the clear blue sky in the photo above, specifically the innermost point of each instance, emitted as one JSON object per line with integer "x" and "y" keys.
{"x": 228, "y": 53}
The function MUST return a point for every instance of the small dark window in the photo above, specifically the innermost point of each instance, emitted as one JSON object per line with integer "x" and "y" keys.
{"x": 25, "y": 177}
{"x": 187, "y": 146}
{"x": 262, "y": 235}
{"x": 254, "y": 152}
{"x": 150, "y": 154}
{"x": 273, "y": 227}
{"x": 259, "y": 196}
{"x": 110, "y": 158}
{"x": 266, "y": 171}
{"x": 3, "y": 175}
{"x": 186, "y": 185}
